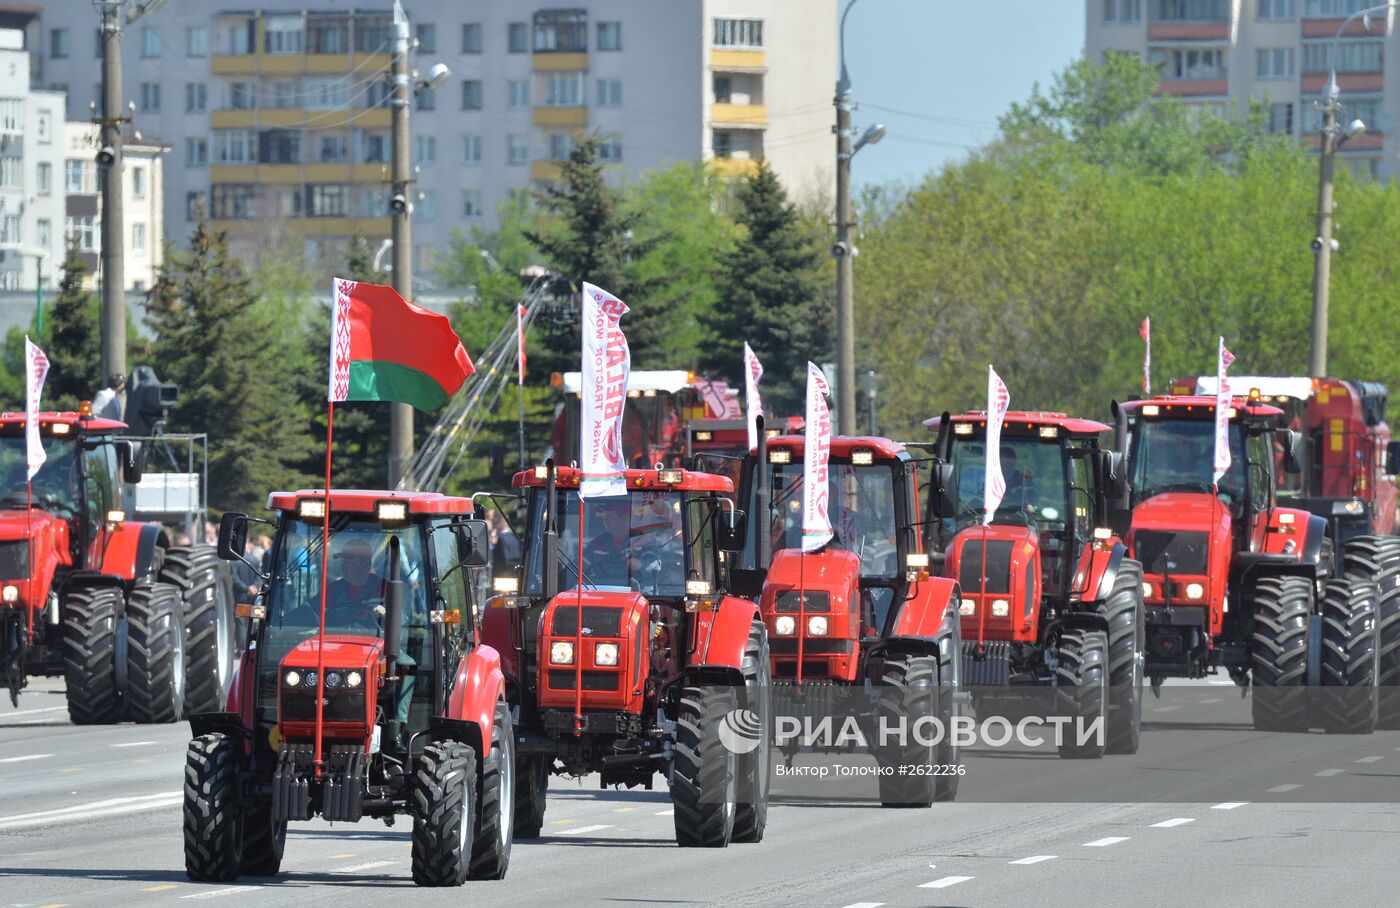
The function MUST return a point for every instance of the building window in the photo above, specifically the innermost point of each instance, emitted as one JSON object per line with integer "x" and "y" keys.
{"x": 517, "y": 37}
{"x": 197, "y": 41}
{"x": 425, "y": 149}
{"x": 284, "y": 95}
{"x": 471, "y": 149}
{"x": 196, "y": 152}
{"x": 1274, "y": 62}
{"x": 471, "y": 203}
{"x": 372, "y": 33}
{"x": 425, "y": 208}
{"x": 1189, "y": 64}
{"x": 376, "y": 147}
{"x": 517, "y": 149}
{"x": 327, "y": 92}
{"x": 609, "y": 92}
{"x": 1276, "y": 9}
{"x": 279, "y": 146}
{"x": 327, "y": 200}
{"x": 1363, "y": 168}
{"x": 11, "y": 114}
{"x": 610, "y": 36}
{"x": 374, "y": 202}
{"x": 471, "y": 38}
{"x": 45, "y": 178}
{"x": 610, "y": 149}
{"x": 1333, "y": 9}
{"x": 1352, "y": 57}
{"x": 74, "y": 181}
{"x": 241, "y": 95}
{"x": 1189, "y": 10}
{"x": 1281, "y": 118}
{"x": 333, "y": 150}
{"x": 519, "y": 93}
{"x": 563, "y": 31}
{"x": 327, "y": 34}
{"x": 561, "y": 145}
{"x": 1119, "y": 12}
{"x": 738, "y": 33}
{"x": 58, "y": 43}
{"x": 282, "y": 34}
{"x": 43, "y": 126}
{"x": 234, "y": 146}
{"x": 1367, "y": 110}
{"x": 427, "y": 38}
{"x": 471, "y": 94}
{"x": 381, "y": 94}
{"x": 44, "y": 232}
{"x": 82, "y": 231}
{"x": 10, "y": 171}
{"x": 138, "y": 237}
{"x": 561, "y": 89}
{"x": 238, "y": 39}
{"x": 723, "y": 144}
{"x": 233, "y": 200}
{"x": 9, "y": 232}
{"x": 194, "y": 205}
{"x": 427, "y": 99}
{"x": 196, "y": 97}
{"x": 150, "y": 97}
{"x": 138, "y": 182}
{"x": 286, "y": 202}
{"x": 150, "y": 42}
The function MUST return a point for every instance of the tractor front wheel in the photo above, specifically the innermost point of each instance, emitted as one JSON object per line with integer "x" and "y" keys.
{"x": 1126, "y": 617}
{"x": 496, "y": 806}
{"x": 213, "y": 824}
{"x": 703, "y": 770}
{"x": 1081, "y": 683}
{"x": 908, "y": 693}
{"x": 444, "y": 821}
{"x": 751, "y": 815}
{"x": 1279, "y": 653}
{"x": 91, "y": 616}
{"x": 155, "y": 654}
{"x": 1349, "y": 657}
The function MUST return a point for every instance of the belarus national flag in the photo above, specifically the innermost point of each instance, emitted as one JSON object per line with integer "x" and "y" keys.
{"x": 385, "y": 348}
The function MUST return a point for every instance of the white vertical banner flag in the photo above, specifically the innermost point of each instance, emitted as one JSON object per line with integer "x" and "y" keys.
{"x": 1146, "y": 331}
{"x": 520, "y": 344}
{"x": 816, "y": 453}
{"x": 998, "y": 401}
{"x": 1222, "y": 411}
{"x": 36, "y": 369}
{"x": 603, "y": 388}
{"x": 753, "y": 404}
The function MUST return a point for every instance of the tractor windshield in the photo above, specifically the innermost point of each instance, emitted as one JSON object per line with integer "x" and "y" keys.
{"x": 633, "y": 542}
{"x": 56, "y": 484}
{"x": 1176, "y": 455}
{"x": 1036, "y": 491}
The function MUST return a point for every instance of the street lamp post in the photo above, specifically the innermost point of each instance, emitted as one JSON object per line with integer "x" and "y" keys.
{"x": 843, "y": 250}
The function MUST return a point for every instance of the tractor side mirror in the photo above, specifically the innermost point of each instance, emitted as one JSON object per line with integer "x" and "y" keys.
{"x": 1115, "y": 475}
{"x": 941, "y": 490}
{"x": 1292, "y": 451}
{"x": 1392, "y": 458}
{"x": 473, "y": 543}
{"x": 733, "y": 530}
{"x": 233, "y": 535}
{"x": 133, "y": 455}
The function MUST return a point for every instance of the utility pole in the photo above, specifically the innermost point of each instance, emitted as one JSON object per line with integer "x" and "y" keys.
{"x": 400, "y": 415}
{"x": 845, "y": 304}
{"x": 1322, "y": 241}
{"x": 109, "y": 162}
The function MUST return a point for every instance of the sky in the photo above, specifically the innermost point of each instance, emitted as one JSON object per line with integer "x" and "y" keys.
{"x": 938, "y": 73}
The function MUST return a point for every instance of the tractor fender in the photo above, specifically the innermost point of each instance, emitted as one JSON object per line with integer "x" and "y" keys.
{"x": 1306, "y": 532}
{"x": 224, "y": 723}
{"x": 1074, "y": 619}
{"x": 479, "y": 687}
{"x": 924, "y": 613}
{"x": 722, "y": 634}
{"x": 240, "y": 689}
{"x": 1101, "y": 571}
{"x": 130, "y": 552}
{"x": 498, "y": 631}
{"x": 1312, "y": 545}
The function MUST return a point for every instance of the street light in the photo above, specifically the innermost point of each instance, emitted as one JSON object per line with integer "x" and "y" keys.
{"x": 1333, "y": 138}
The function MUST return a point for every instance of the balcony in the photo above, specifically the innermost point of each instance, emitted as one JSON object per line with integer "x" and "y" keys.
{"x": 545, "y": 171}
{"x": 364, "y": 118}
{"x": 734, "y": 168}
{"x": 743, "y": 61}
{"x": 560, "y": 116}
{"x": 1192, "y": 88}
{"x": 296, "y": 64}
{"x": 742, "y": 116}
{"x": 558, "y": 62}
{"x": 307, "y": 226}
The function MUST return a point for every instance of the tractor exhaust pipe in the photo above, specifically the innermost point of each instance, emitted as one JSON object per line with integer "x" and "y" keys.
{"x": 393, "y": 623}
{"x": 761, "y": 524}
{"x": 551, "y": 534}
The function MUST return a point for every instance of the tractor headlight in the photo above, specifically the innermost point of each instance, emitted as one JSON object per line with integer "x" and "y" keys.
{"x": 1146, "y": 590}
{"x": 1195, "y": 591}
{"x": 605, "y": 654}
{"x": 292, "y": 679}
{"x": 967, "y": 607}
{"x": 786, "y": 625}
{"x": 354, "y": 679}
{"x": 10, "y": 593}
{"x": 1000, "y": 608}
{"x": 816, "y": 626}
{"x": 310, "y": 680}
{"x": 561, "y": 652}
{"x": 333, "y": 680}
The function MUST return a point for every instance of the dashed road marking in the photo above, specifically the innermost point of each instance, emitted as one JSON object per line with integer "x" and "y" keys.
{"x": 1174, "y": 821}
{"x": 1165, "y": 709}
{"x": 29, "y": 712}
{"x": 623, "y": 809}
{"x": 134, "y": 744}
{"x": 1034, "y": 859}
{"x": 945, "y": 882}
{"x": 1213, "y": 700}
{"x": 580, "y": 830}
{"x": 1106, "y": 841}
{"x": 216, "y": 893}
{"x": 670, "y": 811}
{"x": 72, "y": 769}
{"x": 1328, "y": 773}
{"x": 26, "y": 758}
{"x": 1375, "y": 759}
{"x": 341, "y": 857}
{"x": 161, "y": 888}
{"x": 367, "y": 865}
{"x": 561, "y": 822}
{"x": 94, "y": 810}
{"x": 1280, "y": 789}
{"x": 865, "y": 905}
{"x": 1229, "y": 805}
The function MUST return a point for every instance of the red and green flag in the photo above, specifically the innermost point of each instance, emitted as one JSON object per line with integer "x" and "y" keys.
{"x": 385, "y": 348}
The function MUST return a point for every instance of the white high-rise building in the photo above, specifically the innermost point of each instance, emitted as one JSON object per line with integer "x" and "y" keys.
{"x": 31, "y": 172}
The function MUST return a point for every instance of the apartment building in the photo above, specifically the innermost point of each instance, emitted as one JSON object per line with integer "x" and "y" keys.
{"x": 1221, "y": 54}
{"x": 279, "y": 123}
{"x": 31, "y": 167}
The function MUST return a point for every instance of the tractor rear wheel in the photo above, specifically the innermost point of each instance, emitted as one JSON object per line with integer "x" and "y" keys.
{"x": 1279, "y": 653}
{"x": 908, "y": 692}
{"x": 155, "y": 654}
{"x": 751, "y": 815}
{"x": 496, "y": 806}
{"x": 213, "y": 825}
{"x": 703, "y": 770}
{"x": 211, "y": 631}
{"x": 531, "y": 791}
{"x": 91, "y": 619}
{"x": 1349, "y": 657}
{"x": 1377, "y": 559}
{"x": 444, "y": 821}
{"x": 1126, "y": 617}
{"x": 1081, "y": 681}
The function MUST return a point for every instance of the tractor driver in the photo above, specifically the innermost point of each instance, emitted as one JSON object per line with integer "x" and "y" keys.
{"x": 606, "y": 555}
{"x": 353, "y": 597}
{"x": 1021, "y": 491}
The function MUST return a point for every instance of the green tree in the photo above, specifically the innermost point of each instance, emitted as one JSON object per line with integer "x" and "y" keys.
{"x": 73, "y": 339}
{"x": 768, "y": 294}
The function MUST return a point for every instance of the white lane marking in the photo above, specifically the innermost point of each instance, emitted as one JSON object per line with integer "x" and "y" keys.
{"x": 29, "y": 722}
{"x": 134, "y": 744}
{"x": 1229, "y": 805}
{"x": 84, "y": 812}
{"x": 215, "y": 893}
{"x": 865, "y": 905}
{"x": 1213, "y": 700}
{"x": 1165, "y": 709}
{"x": 367, "y": 865}
{"x": 1034, "y": 859}
{"x": 1328, "y": 773}
{"x": 1280, "y": 789}
{"x": 26, "y": 758}
{"x": 580, "y": 830}
{"x": 30, "y": 712}
{"x": 1174, "y": 821}
{"x": 1370, "y": 759}
{"x": 1106, "y": 841}
{"x": 945, "y": 882}
{"x": 672, "y": 812}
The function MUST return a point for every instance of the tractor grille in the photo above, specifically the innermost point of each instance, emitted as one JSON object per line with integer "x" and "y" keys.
{"x": 787, "y": 646}
{"x": 998, "y": 566}
{"x": 1163, "y": 552}
{"x": 563, "y": 679}
{"x": 14, "y": 559}
{"x": 817, "y": 601}
{"x": 341, "y": 706}
{"x": 598, "y": 621}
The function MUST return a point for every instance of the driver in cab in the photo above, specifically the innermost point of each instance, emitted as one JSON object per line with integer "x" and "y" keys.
{"x": 354, "y": 596}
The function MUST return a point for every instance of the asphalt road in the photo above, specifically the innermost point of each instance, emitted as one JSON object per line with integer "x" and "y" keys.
{"x": 91, "y": 816}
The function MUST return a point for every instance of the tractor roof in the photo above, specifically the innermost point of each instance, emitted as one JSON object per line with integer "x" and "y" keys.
{"x": 91, "y": 425}
{"x": 364, "y": 500}
{"x": 1028, "y": 419}
{"x": 646, "y": 480}
{"x": 843, "y": 445}
{"x": 1201, "y": 405}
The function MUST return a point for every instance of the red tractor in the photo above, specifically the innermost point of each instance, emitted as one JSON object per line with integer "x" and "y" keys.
{"x": 1232, "y": 580}
{"x": 862, "y": 613}
{"x": 413, "y": 719}
{"x": 1050, "y": 596}
{"x": 140, "y": 629}
{"x": 624, "y": 653}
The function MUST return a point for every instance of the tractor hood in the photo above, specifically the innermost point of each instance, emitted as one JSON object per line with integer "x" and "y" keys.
{"x": 608, "y": 651}
{"x": 343, "y": 651}
{"x": 351, "y": 685}
{"x": 38, "y": 538}
{"x": 1180, "y": 533}
{"x": 1197, "y": 512}
{"x": 15, "y": 524}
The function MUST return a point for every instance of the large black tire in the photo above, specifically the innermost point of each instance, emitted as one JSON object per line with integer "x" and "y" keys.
{"x": 1081, "y": 682}
{"x": 155, "y": 654}
{"x": 1376, "y": 559}
{"x": 443, "y": 800}
{"x": 753, "y": 770}
{"x": 531, "y": 794}
{"x": 213, "y": 823}
{"x": 1279, "y": 653}
{"x": 703, "y": 770}
{"x": 211, "y": 629}
{"x": 1126, "y": 617}
{"x": 946, "y": 753}
{"x": 908, "y": 692}
{"x": 496, "y": 803}
{"x": 1349, "y": 657}
{"x": 91, "y": 623}
{"x": 263, "y": 842}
